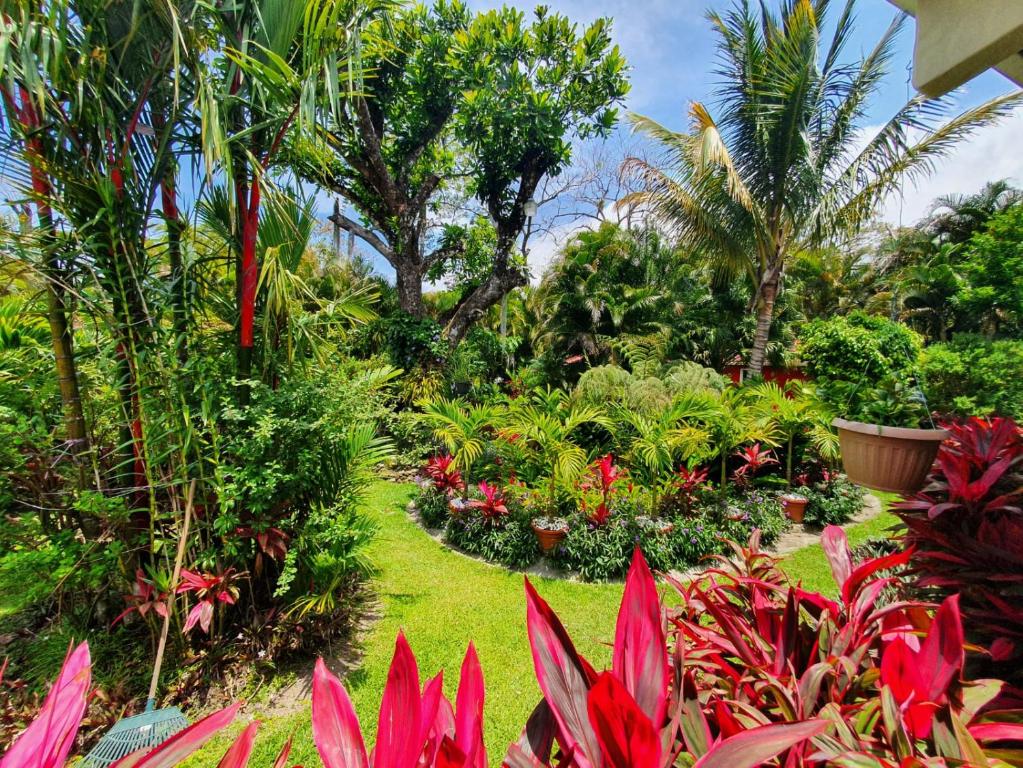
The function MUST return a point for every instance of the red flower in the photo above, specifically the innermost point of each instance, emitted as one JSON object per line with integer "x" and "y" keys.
{"x": 754, "y": 458}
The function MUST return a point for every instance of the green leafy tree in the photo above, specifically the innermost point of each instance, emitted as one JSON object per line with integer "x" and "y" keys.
{"x": 991, "y": 302}
{"x": 492, "y": 99}
{"x": 779, "y": 170}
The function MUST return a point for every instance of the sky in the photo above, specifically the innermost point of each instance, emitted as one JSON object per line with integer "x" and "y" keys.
{"x": 670, "y": 47}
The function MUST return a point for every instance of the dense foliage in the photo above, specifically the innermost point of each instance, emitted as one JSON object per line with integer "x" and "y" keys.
{"x": 746, "y": 670}
{"x": 965, "y": 527}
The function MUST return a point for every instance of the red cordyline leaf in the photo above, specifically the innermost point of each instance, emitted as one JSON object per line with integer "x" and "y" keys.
{"x": 336, "y": 730}
{"x": 941, "y": 654}
{"x": 997, "y": 732}
{"x": 469, "y": 711}
{"x": 836, "y": 548}
{"x": 564, "y": 678}
{"x": 402, "y": 727}
{"x": 639, "y": 660}
{"x": 755, "y": 746}
{"x": 237, "y": 756}
{"x": 48, "y": 740}
{"x": 627, "y": 737}
{"x": 181, "y": 744}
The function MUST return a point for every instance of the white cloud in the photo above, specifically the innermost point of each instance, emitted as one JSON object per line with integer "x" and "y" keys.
{"x": 989, "y": 154}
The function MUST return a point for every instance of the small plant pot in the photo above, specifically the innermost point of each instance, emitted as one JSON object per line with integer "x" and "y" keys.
{"x": 549, "y": 538}
{"x": 794, "y": 506}
{"x": 892, "y": 459}
{"x": 457, "y": 505}
{"x": 656, "y": 524}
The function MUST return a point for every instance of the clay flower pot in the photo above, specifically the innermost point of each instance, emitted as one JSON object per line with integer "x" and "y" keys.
{"x": 549, "y": 535}
{"x": 457, "y": 505}
{"x": 893, "y": 459}
{"x": 794, "y": 506}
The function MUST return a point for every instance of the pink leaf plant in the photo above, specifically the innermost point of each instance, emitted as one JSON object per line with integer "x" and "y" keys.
{"x": 417, "y": 727}
{"x": 144, "y": 598}
{"x": 209, "y": 589}
{"x": 445, "y": 476}
{"x": 492, "y": 506}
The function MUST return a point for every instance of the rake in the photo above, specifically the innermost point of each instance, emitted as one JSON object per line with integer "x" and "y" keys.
{"x": 153, "y": 726}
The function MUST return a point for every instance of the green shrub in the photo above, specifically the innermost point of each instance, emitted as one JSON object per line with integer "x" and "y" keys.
{"x": 833, "y": 502}
{"x": 749, "y": 510}
{"x": 601, "y": 385}
{"x": 597, "y": 553}
{"x": 974, "y": 376}
{"x": 689, "y": 377}
{"x": 510, "y": 542}
{"x": 432, "y": 506}
{"x": 857, "y": 347}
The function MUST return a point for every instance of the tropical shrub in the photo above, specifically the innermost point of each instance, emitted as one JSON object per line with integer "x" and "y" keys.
{"x": 747, "y": 510}
{"x": 506, "y": 539}
{"x": 969, "y": 376}
{"x": 857, "y": 347}
{"x": 432, "y": 506}
{"x": 832, "y": 501}
{"x": 966, "y": 528}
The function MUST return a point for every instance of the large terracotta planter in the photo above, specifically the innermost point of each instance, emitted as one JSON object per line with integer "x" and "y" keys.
{"x": 893, "y": 459}
{"x": 549, "y": 538}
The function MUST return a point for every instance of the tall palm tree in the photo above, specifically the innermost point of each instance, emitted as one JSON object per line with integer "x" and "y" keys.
{"x": 779, "y": 170}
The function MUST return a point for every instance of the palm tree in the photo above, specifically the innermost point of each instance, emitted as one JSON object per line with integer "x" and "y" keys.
{"x": 790, "y": 413}
{"x": 656, "y": 443}
{"x": 954, "y": 218}
{"x": 465, "y": 430}
{"x": 779, "y": 170}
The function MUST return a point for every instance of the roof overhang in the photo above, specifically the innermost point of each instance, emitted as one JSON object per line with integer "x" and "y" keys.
{"x": 956, "y": 40}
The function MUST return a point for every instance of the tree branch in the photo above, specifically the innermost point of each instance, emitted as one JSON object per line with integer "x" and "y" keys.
{"x": 365, "y": 234}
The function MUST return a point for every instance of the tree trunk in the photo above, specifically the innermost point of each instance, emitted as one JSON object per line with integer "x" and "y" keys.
{"x": 486, "y": 295}
{"x": 172, "y": 220}
{"x": 765, "y": 316}
{"x": 249, "y": 280}
{"x": 408, "y": 279}
{"x": 61, "y": 337}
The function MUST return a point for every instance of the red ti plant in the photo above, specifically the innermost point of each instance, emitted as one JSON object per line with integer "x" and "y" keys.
{"x": 48, "y": 740}
{"x": 686, "y": 487}
{"x": 492, "y": 505}
{"x": 635, "y": 715}
{"x": 209, "y": 589}
{"x": 445, "y": 477}
{"x": 754, "y": 458}
{"x": 418, "y": 728}
{"x": 967, "y": 527}
{"x": 143, "y": 599}
{"x": 603, "y": 476}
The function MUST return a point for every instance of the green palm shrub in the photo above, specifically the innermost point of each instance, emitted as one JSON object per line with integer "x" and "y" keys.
{"x": 465, "y": 430}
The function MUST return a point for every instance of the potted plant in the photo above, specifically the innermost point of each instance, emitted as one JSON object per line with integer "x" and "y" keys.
{"x": 888, "y": 440}
{"x": 794, "y": 506}
{"x": 550, "y": 531}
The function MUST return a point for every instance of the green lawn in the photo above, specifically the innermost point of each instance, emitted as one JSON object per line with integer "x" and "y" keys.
{"x": 442, "y": 599}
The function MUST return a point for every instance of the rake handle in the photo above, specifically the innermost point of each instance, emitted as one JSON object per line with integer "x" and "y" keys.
{"x": 162, "y": 645}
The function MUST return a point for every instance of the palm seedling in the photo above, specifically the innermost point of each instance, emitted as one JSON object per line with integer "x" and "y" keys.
{"x": 547, "y": 427}
{"x": 657, "y": 443}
